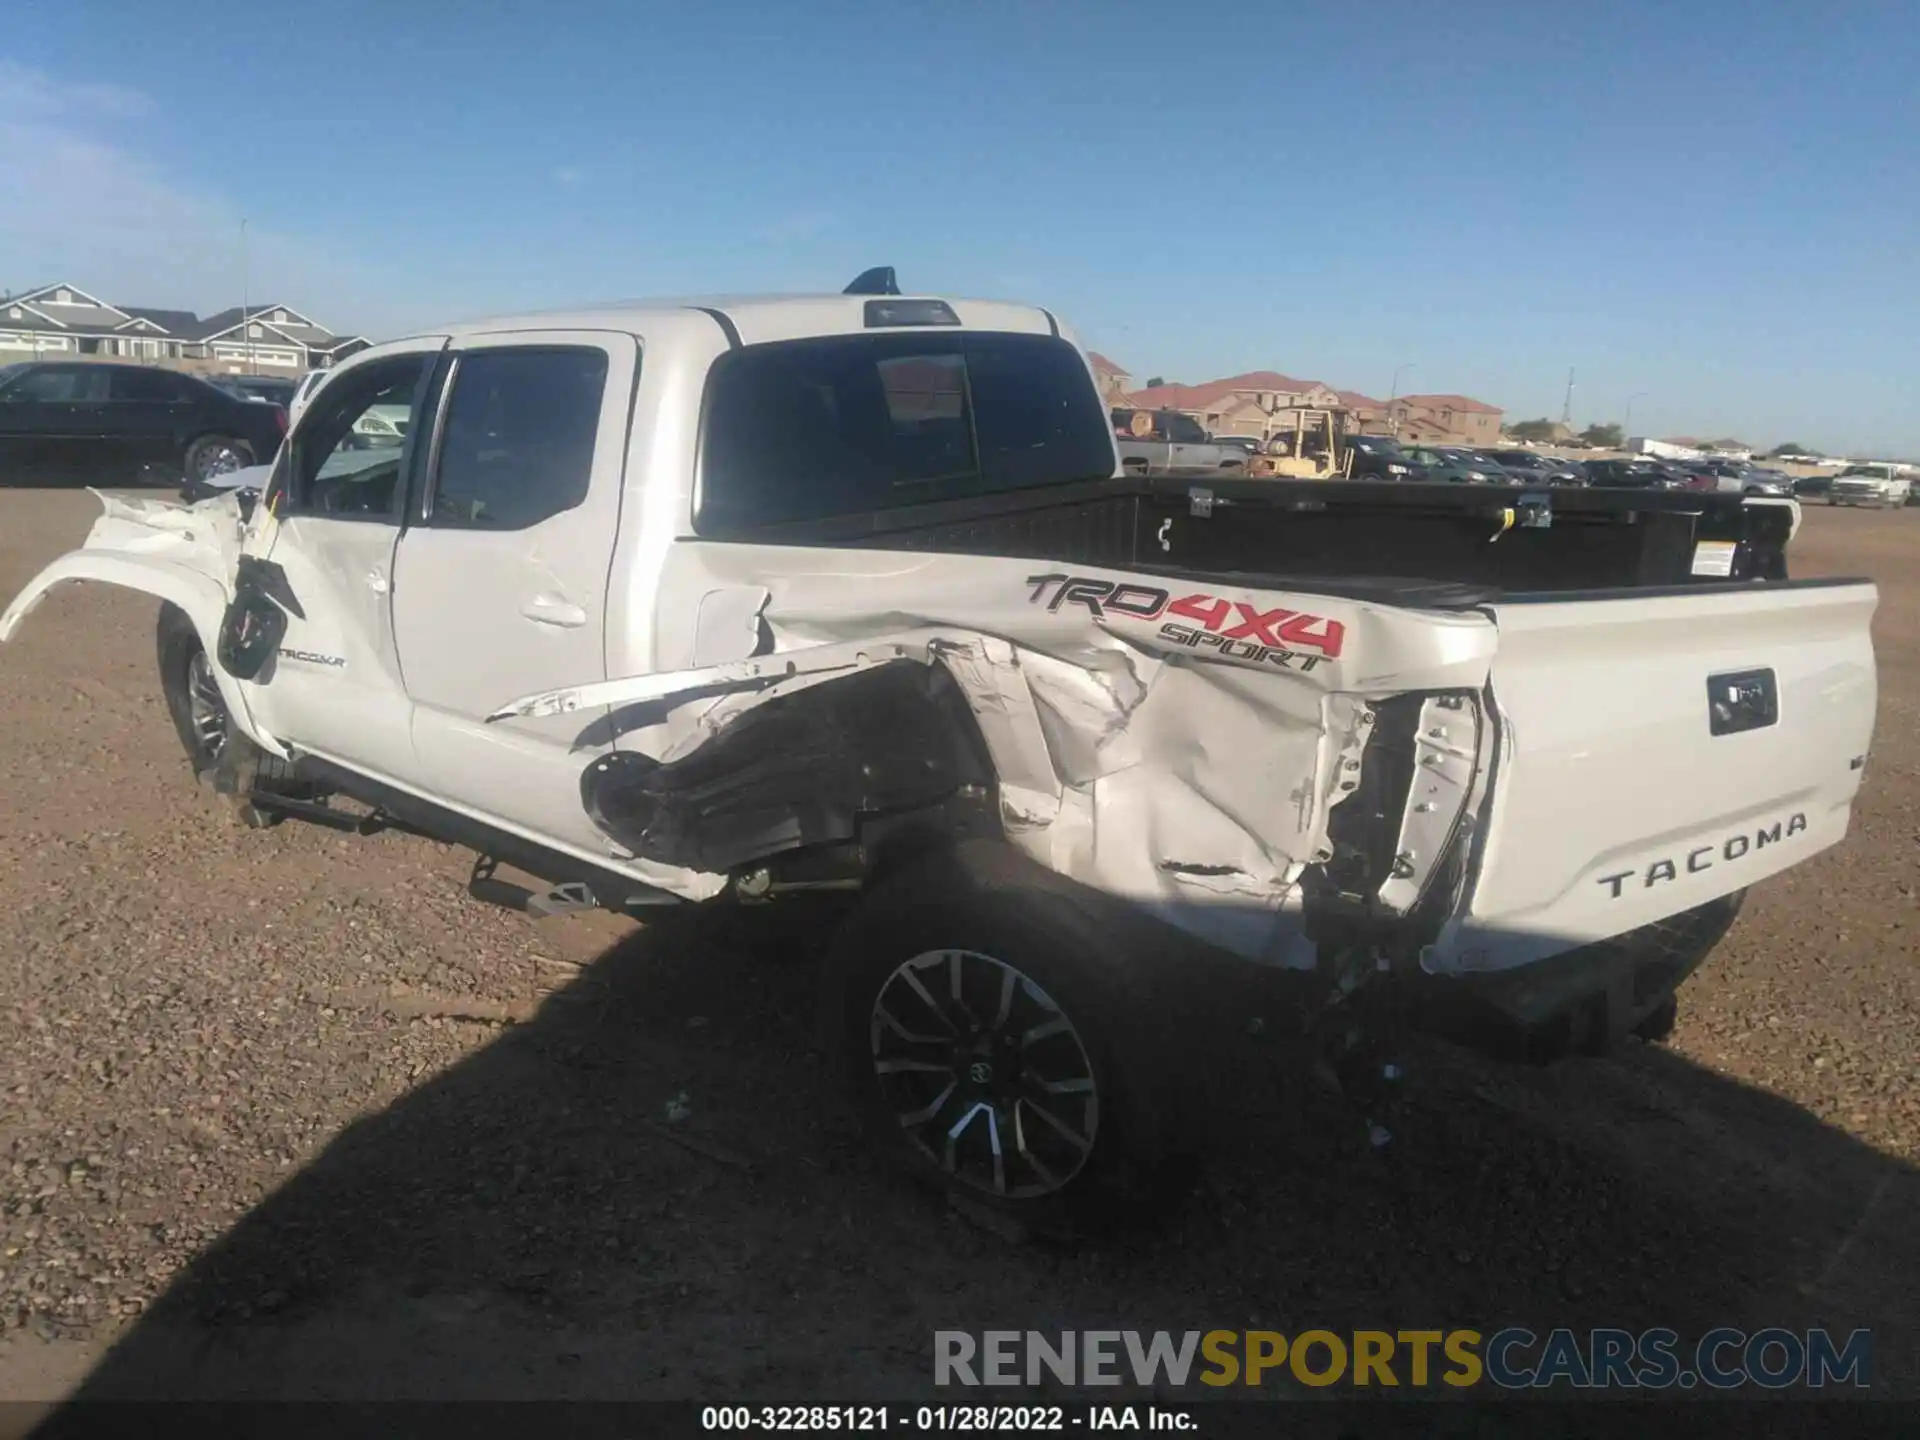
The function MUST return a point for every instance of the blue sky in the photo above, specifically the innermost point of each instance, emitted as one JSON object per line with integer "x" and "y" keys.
{"x": 1714, "y": 203}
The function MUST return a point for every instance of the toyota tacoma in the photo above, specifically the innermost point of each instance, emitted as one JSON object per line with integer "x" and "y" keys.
{"x": 728, "y": 602}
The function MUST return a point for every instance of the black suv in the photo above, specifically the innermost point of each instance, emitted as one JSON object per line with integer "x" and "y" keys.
{"x": 66, "y": 420}
{"x": 1375, "y": 457}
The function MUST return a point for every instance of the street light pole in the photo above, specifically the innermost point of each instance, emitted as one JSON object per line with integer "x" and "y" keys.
{"x": 246, "y": 319}
{"x": 1393, "y": 420}
{"x": 1626, "y": 425}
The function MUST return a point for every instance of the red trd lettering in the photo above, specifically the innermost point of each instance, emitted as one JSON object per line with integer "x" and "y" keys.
{"x": 1301, "y": 632}
{"x": 1209, "y": 611}
{"x": 1258, "y": 624}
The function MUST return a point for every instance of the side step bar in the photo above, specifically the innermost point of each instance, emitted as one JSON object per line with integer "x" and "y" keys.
{"x": 318, "y": 812}
{"x": 576, "y": 884}
{"x": 567, "y": 898}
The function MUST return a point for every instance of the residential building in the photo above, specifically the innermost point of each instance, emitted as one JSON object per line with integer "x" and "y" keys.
{"x": 66, "y": 321}
{"x": 1114, "y": 382}
{"x": 1369, "y": 415}
{"x": 1238, "y": 405}
{"x": 1444, "y": 420}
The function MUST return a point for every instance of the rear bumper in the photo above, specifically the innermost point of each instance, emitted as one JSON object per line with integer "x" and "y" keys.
{"x": 1581, "y": 1002}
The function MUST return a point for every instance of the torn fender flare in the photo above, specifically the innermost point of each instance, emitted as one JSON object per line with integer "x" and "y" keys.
{"x": 197, "y": 594}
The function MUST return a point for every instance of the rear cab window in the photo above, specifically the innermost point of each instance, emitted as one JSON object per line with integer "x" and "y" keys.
{"x": 845, "y": 424}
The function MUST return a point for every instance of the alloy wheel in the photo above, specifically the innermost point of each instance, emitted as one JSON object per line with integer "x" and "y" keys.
{"x": 985, "y": 1073}
{"x": 215, "y": 457}
{"x": 206, "y": 710}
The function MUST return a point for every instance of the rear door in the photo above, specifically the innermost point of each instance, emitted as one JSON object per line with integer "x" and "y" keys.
{"x": 146, "y": 409}
{"x": 1657, "y": 751}
{"x": 1189, "y": 447}
{"x": 500, "y": 583}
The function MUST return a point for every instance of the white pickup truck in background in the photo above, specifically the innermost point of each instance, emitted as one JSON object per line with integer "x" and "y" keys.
{"x": 1881, "y": 485}
{"x": 725, "y": 602}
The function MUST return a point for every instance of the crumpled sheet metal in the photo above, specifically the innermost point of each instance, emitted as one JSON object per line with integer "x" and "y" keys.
{"x": 1197, "y": 787}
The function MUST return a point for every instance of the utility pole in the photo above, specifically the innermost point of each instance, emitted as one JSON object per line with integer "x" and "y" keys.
{"x": 1626, "y": 425}
{"x": 1566, "y": 410}
{"x": 246, "y": 319}
{"x": 1393, "y": 419}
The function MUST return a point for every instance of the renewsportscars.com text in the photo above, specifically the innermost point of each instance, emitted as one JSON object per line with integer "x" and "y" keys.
{"x": 1513, "y": 1358}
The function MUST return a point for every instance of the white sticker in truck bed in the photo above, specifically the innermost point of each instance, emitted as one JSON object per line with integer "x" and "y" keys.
{"x": 1713, "y": 557}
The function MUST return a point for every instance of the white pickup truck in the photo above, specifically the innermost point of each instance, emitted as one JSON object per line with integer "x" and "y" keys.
{"x": 1882, "y": 485}
{"x": 721, "y": 601}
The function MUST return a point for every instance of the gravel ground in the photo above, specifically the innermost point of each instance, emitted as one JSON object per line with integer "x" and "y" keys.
{"x": 286, "y": 1113}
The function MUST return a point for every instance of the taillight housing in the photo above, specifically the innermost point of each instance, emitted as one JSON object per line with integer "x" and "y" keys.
{"x": 280, "y": 417}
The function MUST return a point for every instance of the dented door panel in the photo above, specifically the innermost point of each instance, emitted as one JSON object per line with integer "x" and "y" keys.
{"x": 333, "y": 684}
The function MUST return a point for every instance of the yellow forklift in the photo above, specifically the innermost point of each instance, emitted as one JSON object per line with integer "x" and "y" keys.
{"x": 1305, "y": 443}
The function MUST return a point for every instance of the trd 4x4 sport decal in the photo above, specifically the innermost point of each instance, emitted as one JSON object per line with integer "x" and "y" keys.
{"x": 1233, "y": 628}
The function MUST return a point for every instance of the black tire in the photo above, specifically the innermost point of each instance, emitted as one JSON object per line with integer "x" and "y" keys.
{"x": 199, "y": 714}
{"x": 220, "y": 754}
{"x": 1075, "y": 957}
{"x": 1656, "y": 1028}
{"x": 213, "y": 454}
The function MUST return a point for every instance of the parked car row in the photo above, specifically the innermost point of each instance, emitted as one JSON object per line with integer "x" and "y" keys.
{"x": 1376, "y": 457}
{"x": 86, "y": 420}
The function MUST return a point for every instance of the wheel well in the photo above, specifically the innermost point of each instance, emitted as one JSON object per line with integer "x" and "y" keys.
{"x": 883, "y": 762}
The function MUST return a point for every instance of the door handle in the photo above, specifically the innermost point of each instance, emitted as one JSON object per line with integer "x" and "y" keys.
{"x": 377, "y": 581}
{"x": 552, "y": 610}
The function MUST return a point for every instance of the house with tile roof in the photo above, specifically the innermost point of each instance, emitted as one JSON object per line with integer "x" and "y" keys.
{"x": 1238, "y": 405}
{"x": 1114, "y": 382}
{"x": 66, "y": 321}
{"x": 1444, "y": 420}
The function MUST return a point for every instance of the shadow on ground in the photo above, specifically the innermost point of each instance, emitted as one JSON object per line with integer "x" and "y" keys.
{"x": 529, "y": 1224}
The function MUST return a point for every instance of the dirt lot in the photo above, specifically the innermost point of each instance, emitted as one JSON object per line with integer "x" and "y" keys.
{"x": 286, "y": 1113}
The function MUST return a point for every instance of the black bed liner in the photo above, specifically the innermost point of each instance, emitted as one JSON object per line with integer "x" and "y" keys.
{"x": 1423, "y": 545}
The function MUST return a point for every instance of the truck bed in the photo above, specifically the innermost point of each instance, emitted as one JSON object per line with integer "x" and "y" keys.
{"x": 1435, "y": 545}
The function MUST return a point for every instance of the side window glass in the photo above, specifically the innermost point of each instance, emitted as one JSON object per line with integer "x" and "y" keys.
{"x": 151, "y": 386}
{"x": 517, "y": 444}
{"x": 62, "y": 385}
{"x": 350, "y": 445}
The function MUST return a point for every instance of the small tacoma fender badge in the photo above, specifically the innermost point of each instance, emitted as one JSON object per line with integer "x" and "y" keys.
{"x": 310, "y": 657}
{"x": 1705, "y": 857}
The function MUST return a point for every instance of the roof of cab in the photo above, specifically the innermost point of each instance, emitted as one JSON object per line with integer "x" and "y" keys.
{"x": 762, "y": 318}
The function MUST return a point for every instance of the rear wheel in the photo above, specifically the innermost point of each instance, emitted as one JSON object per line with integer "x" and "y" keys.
{"x": 993, "y": 1030}
{"x": 212, "y": 455}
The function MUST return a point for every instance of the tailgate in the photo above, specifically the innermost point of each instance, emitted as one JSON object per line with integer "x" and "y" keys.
{"x": 1659, "y": 750}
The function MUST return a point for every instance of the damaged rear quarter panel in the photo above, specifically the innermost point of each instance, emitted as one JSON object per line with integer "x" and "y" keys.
{"x": 1193, "y": 779}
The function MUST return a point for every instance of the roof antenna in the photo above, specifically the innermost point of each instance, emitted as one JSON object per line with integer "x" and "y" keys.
{"x": 877, "y": 281}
